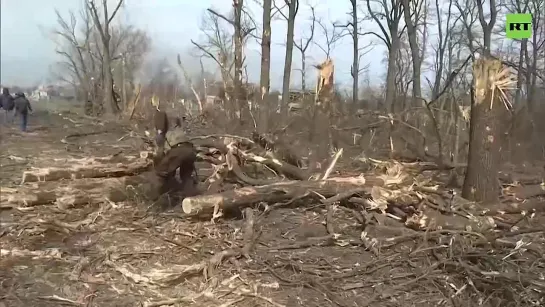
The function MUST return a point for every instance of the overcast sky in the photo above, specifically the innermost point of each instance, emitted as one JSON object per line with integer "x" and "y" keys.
{"x": 27, "y": 53}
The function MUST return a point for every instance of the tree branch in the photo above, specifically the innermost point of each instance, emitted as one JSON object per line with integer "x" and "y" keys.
{"x": 115, "y": 12}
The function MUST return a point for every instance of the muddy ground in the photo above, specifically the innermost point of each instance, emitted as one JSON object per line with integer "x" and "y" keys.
{"x": 121, "y": 255}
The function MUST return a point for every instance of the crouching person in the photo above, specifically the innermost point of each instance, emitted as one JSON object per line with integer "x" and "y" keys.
{"x": 22, "y": 108}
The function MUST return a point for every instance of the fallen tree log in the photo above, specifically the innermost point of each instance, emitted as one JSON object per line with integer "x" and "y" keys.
{"x": 66, "y": 195}
{"x": 228, "y": 200}
{"x": 145, "y": 188}
{"x": 91, "y": 170}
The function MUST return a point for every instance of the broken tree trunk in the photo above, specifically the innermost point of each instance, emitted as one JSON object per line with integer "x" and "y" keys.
{"x": 274, "y": 193}
{"x": 90, "y": 170}
{"x": 487, "y": 126}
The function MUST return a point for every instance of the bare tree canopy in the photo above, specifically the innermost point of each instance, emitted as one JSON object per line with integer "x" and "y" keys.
{"x": 80, "y": 46}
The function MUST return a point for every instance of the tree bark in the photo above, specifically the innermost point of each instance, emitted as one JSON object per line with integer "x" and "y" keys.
{"x": 415, "y": 51}
{"x": 265, "y": 80}
{"x": 105, "y": 37}
{"x": 293, "y": 8}
{"x": 108, "y": 79}
{"x": 237, "y": 4}
{"x": 355, "y": 48}
{"x": 87, "y": 170}
{"x": 66, "y": 195}
{"x": 391, "y": 73}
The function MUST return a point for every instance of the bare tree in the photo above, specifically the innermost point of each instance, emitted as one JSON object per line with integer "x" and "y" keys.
{"x": 79, "y": 47}
{"x": 217, "y": 45}
{"x": 468, "y": 15}
{"x": 220, "y": 41}
{"x": 265, "y": 77}
{"x": 351, "y": 29}
{"x": 391, "y": 11}
{"x": 528, "y": 57}
{"x": 487, "y": 26}
{"x": 403, "y": 76}
{"x": 537, "y": 9}
{"x": 444, "y": 35}
{"x": 412, "y": 12}
{"x": 303, "y": 46}
{"x": 105, "y": 37}
{"x": 331, "y": 35}
{"x": 354, "y": 70}
{"x": 239, "y": 37}
{"x": 74, "y": 63}
{"x": 293, "y": 8}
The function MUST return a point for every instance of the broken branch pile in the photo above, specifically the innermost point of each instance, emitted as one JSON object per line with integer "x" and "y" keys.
{"x": 392, "y": 189}
{"x": 466, "y": 248}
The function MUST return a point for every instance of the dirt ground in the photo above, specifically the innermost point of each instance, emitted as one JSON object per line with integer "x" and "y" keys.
{"x": 120, "y": 255}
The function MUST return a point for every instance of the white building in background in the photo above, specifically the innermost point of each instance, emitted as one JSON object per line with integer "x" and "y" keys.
{"x": 40, "y": 93}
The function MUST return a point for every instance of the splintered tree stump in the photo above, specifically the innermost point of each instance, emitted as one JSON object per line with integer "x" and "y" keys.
{"x": 487, "y": 127}
{"x": 276, "y": 192}
{"x": 92, "y": 170}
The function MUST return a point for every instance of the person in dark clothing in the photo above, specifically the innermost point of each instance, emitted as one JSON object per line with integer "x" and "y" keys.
{"x": 22, "y": 107}
{"x": 7, "y": 103}
{"x": 160, "y": 121}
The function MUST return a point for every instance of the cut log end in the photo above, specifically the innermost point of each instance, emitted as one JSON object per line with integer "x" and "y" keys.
{"x": 194, "y": 205}
{"x": 187, "y": 206}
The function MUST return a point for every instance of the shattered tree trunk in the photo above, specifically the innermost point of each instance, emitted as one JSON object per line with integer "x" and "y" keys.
{"x": 276, "y": 192}
{"x": 486, "y": 134}
{"x": 326, "y": 108}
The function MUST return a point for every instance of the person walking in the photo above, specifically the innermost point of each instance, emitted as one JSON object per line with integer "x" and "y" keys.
{"x": 22, "y": 107}
{"x": 7, "y": 103}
